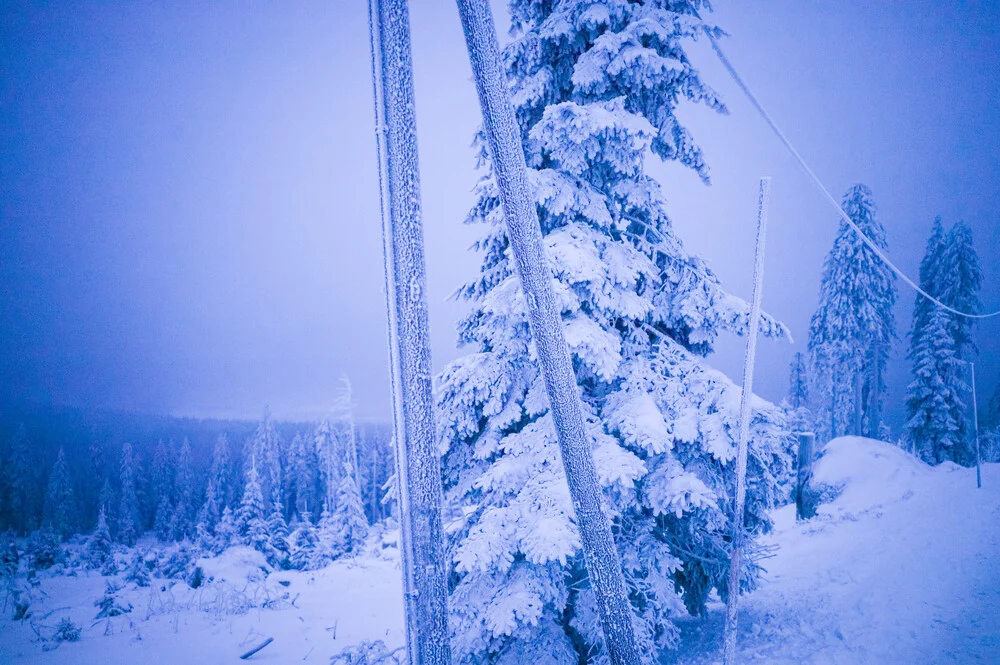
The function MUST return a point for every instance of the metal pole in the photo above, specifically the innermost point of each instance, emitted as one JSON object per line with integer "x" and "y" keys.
{"x": 975, "y": 420}
{"x": 504, "y": 139}
{"x": 418, "y": 466}
{"x": 739, "y": 533}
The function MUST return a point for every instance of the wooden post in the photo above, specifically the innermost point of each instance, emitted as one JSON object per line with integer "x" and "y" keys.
{"x": 418, "y": 466}
{"x": 805, "y": 460}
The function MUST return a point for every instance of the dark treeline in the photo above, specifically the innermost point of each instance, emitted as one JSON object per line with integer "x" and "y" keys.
{"x": 172, "y": 463}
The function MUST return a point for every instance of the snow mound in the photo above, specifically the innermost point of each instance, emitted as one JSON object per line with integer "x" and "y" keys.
{"x": 901, "y": 566}
{"x": 236, "y": 565}
{"x": 865, "y": 473}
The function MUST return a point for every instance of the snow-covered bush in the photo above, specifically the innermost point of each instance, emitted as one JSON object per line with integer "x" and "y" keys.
{"x": 44, "y": 549}
{"x": 109, "y": 605}
{"x": 369, "y": 653}
{"x": 595, "y": 86}
{"x": 66, "y": 631}
{"x": 179, "y": 564}
{"x": 10, "y": 557}
{"x": 138, "y": 571}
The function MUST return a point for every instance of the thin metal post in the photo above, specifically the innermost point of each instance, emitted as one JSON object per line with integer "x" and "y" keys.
{"x": 417, "y": 463}
{"x": 739, "y": 532}
{"x": 975, "y": 420}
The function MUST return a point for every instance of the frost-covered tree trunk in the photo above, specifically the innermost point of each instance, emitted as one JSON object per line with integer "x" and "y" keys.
{"x": 424, "y": 564}
{"x": 523, "y": 231}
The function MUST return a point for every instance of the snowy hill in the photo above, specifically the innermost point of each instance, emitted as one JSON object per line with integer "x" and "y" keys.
{"x": 903, "y": 566}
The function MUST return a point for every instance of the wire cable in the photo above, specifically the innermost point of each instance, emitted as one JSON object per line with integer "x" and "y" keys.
{"x": 819, "y": 184}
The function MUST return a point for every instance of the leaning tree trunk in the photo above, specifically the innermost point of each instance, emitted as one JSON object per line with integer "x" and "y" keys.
{"x": 525, "y": 235}
{"x": 418, "y": 466}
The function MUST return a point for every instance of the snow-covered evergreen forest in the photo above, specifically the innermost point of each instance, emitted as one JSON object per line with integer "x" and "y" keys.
{"x": 869, "y": 530}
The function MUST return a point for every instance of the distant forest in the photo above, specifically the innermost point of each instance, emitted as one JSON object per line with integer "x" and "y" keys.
{"x": 92, "y": 442}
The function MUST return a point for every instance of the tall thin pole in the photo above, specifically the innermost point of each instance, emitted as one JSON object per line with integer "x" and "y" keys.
{"x": 418, "y": 465}
{"x": 975, "y": 420}
{"x": 739, "y": 533}
{"x": 525, "y": 236}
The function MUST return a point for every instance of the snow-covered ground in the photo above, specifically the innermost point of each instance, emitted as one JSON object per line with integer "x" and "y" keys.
{"x": 315, "y": 616}
{"x": 902, "y": 567}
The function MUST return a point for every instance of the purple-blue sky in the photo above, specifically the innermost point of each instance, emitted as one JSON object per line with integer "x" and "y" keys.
{"x": 189, "y": 209}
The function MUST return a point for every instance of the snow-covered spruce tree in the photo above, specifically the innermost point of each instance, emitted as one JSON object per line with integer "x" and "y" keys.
{"x": 595, "y": 86}
{"x": 277, "y": 530}
{"x": 852, "y": 330}
{"x": 21, "y": 483}
{"x": 950, "y": 272}
{"x": 303, "y": 476}
{"x": 129, "y": 526}
{"x": 962, "y": 280}
{"x": 350, "y": 523}
{"x": 797, "y": 403}
{"x": 208, "y": 516}
{"x": 221, "y": 472}
{"x": 181, "y": 525}
{"x": 226, "y": 534}
{"x": 60, "y": 510}
{"x": 344, "y": 408}
{"x": 931, "y": 267}
{"x": 328, "y": 457}
{"x": 160, "y": 487}
{"x": 108, "y": 504}
{"x": 251, "y": 522}
{"x": 265, "y": 449}
{"x": 100, "y": 546}
{"x": 990, "y": 416}
{"x": 163, "y": 524}
{"x": 933, "y": 398}
{"x": 327, "y": 536}
{"x": 304, "y": 546}
{"x": 798, "y": 382}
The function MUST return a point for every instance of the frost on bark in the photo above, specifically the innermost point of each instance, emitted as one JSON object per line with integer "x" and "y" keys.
{"x": 424, "y": 571}
{"x": 503, "y": 137}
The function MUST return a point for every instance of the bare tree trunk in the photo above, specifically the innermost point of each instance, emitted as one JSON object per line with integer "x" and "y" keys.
{"x": 525, "y": 235}
{"x": 419, "y": 468}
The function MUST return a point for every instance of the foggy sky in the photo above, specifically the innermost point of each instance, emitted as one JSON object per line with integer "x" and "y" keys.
{"x": 189, "y": 207}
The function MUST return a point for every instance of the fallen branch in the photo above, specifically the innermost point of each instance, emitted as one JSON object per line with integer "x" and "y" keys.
{"x": 257, "y": 648}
